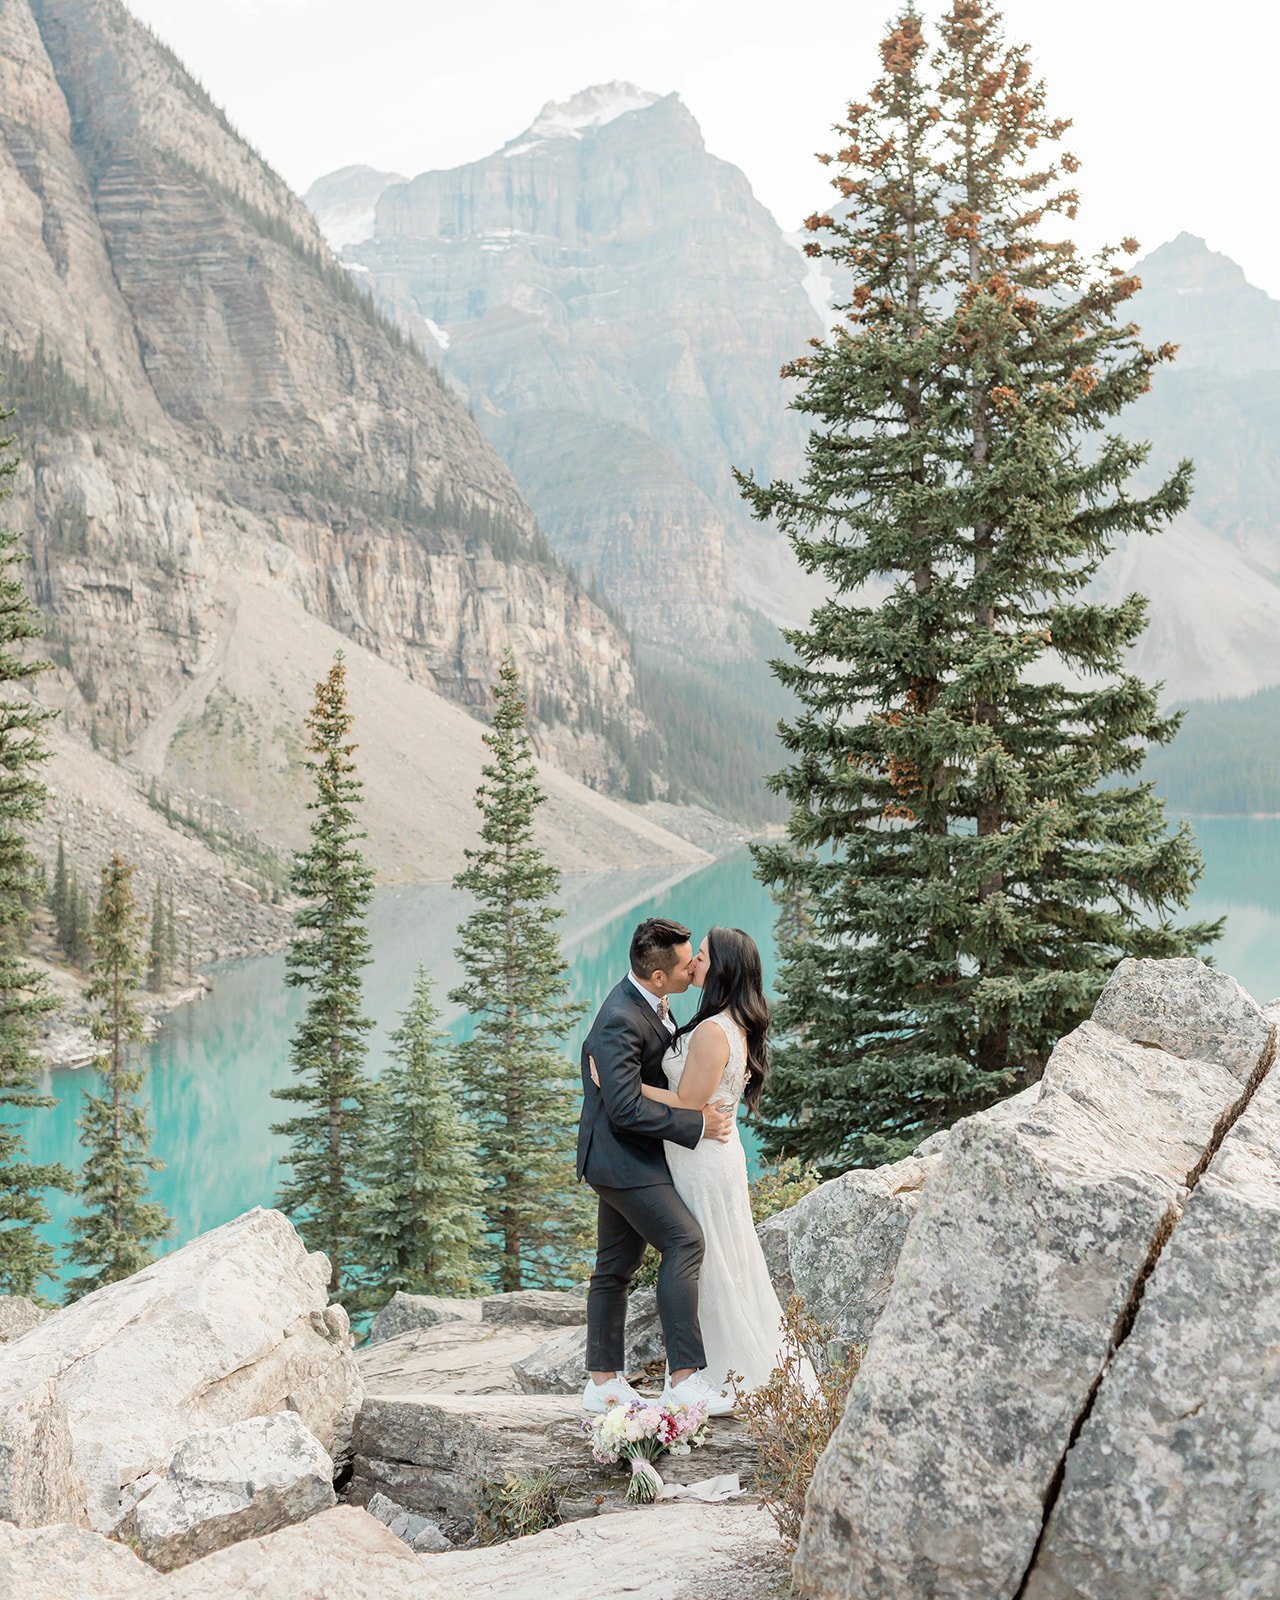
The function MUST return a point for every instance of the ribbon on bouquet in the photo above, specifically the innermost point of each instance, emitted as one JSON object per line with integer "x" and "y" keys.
{"x": 647, "y": 1485}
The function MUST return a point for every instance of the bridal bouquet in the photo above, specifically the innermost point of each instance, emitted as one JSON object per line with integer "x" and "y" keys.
{"x": 641, "y": 1433}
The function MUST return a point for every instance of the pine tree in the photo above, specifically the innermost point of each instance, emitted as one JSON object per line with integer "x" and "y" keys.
{"x": 157, "y": 953}
{"x": 24, "y": 998}
{"x": 58, "y": 894}
{"x": 114, "y": 1236}
{"x": 519, "y": 1089}
{"x": 329, "y": 949}
{"x": 964, "y": 762}
{"x": 170, "y": 937}
{"x": 419, "y": 1224}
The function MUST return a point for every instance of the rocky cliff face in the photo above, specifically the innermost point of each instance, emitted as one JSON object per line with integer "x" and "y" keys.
{"x": 1212, "y": 580}
{"x": 615, "y": 305}
{"x": 203, "y": 392}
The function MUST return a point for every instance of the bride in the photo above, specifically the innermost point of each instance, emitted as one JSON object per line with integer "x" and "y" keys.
{"x": 727, "y": 1060}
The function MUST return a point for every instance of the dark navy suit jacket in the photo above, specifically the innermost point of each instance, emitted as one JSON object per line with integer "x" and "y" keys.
{"x": 620, "y": 1133}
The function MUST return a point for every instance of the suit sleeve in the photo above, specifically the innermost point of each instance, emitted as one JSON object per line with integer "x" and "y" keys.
{"x": 616, "y": 1048}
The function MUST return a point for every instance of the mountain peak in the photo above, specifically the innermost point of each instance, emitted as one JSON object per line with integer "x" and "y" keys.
{"x": 1202, "y": 301}
{"x": 589, "y": 108}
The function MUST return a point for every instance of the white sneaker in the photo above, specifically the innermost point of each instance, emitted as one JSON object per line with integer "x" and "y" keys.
{"x": 612, "y": 1392}
{"x": 697, "y": 1390}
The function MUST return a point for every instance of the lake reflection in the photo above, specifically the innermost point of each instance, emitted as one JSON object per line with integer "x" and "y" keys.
{"x": 214, "y": 1064}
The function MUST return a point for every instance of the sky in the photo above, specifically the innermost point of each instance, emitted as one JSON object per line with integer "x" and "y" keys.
{"x": 1172, "y": 101}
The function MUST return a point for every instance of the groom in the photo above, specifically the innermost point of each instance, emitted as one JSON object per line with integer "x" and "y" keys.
{"x": 620, "y": 1155}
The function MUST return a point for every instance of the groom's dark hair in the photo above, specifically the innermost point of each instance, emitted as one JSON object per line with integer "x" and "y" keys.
{"x": 652, "y": 945}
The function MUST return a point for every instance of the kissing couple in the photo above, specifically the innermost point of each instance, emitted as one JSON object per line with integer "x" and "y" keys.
{"x": 658, "y": 1142}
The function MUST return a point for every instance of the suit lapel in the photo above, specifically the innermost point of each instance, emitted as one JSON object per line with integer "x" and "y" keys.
{"x": 647, "y": 1012}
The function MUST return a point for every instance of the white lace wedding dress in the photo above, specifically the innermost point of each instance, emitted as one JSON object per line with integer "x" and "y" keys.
{"x": 737, "y": 1306}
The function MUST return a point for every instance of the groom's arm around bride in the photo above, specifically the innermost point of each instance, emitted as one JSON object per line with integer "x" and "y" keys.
{"x": 620, "y": 1154}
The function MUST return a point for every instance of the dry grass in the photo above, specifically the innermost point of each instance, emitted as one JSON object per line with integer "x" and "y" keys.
{"x": 792, "y": 1416}
{"x": 525, "y": 1503}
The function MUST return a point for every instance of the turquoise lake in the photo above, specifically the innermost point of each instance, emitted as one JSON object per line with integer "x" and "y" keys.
{"x": 214, "y": 1064}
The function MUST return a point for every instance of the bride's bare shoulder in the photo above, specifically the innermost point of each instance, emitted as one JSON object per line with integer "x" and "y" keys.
{"x": 711, "y": 1037}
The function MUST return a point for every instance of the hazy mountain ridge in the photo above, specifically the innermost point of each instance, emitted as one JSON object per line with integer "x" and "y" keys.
{"x": 604, "y": 283}
{"x": 202, "y": 393}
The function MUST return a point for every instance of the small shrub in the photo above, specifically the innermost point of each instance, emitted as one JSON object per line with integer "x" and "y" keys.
{"x": 790, "y": 1418}
{"x": 780, "y": 1186}
{"x": 526, "y": 1503}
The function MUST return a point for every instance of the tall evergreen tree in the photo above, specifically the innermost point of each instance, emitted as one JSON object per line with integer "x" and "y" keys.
{"x": 24, "y": 999}
{"x": 58, "y": 892}
{"x": 964, "y": 762}
{"x": 419, "y": 1223}
{"x": 115, "y": 1235}
{"x": 520, "y": 1090}
{"x": 157, "y": 953}
{"x": 329, "y": 950}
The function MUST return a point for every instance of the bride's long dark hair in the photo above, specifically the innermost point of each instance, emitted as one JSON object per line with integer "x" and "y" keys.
{"x": 735, "y": 983}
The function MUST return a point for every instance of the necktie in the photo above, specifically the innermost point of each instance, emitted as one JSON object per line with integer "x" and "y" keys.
{"x": 664, "y": 1009}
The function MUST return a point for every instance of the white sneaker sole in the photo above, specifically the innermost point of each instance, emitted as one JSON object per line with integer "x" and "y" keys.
{"x": 598, "y": 1407}
{"x": 715, "y": 1408}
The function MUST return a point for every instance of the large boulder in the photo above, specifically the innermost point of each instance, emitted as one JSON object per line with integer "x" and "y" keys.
{"x": 40, "y": 1478}
{"x": 535, "y": 1305}
{"x": 343, "y": 1554}
{"x": 59, "y": 1562}
{"x": 838, "y": 1247}
{"x": 1031, "y": 1242}
{"x": 18, "y": 1315}
{"x": 1190, "y": 1010}
{"x": 559, "y": 1366}
{"x": 230, "y": 1484}
{"x": 1172, "y": 1491}
{"x": 404, "y": 1312}
{"x": 233, "y": 1325}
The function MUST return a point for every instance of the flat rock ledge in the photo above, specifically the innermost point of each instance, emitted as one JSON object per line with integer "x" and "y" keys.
{"x": 430, "y": 1453}
{"x": 662, "y": 1552}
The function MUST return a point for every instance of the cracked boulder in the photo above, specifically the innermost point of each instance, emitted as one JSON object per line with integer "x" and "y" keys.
{"x": 1017, "y": 1271}
{"x": 1172, "y": 1491}
{"x": 235, "y": 1324}
{"x": 1190, "y": 1010}
{"x": 838, "y": 1247}
{"x": 231, "y": 1484}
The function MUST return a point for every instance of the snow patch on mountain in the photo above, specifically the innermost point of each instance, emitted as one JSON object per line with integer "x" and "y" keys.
{"x": 589, "y": 108}
{"x": 817, "y": 282}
